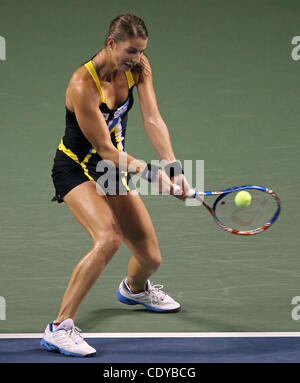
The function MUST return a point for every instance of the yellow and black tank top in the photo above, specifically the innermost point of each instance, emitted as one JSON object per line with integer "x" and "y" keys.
{"x": 76, "y": 146}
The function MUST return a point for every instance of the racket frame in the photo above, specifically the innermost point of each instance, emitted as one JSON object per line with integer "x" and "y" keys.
{"x": 222, "y": 193}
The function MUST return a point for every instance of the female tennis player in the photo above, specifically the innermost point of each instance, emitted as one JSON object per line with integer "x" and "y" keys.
{"x": 98, "y": 99}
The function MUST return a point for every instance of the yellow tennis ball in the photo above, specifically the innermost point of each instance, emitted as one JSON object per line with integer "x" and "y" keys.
{"x": 243, "y": 198}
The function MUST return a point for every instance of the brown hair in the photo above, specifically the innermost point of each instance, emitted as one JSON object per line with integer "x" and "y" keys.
{"x": 127, "y": 26}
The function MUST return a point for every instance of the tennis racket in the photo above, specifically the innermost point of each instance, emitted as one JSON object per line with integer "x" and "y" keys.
{"x": 261, "y": 214}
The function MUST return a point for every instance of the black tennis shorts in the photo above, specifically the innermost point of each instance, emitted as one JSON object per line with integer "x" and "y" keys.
{"x": 67, "y": 174}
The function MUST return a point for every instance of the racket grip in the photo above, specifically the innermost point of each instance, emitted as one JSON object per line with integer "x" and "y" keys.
{"x": 191, "y": 193}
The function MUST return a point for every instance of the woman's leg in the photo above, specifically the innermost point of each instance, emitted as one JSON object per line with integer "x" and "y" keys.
{"x": 140, "y": 237}
{"x": 96, "y": 216}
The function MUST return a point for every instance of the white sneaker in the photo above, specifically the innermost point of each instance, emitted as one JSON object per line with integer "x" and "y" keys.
{"x": 153, "y": 298}
{"x": 66, "y": 339}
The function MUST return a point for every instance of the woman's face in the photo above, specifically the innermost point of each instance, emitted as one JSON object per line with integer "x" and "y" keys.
{"x": 126, "y": 54}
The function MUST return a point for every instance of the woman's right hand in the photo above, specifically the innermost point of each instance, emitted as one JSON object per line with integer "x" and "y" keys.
{"x": 164, "y": 185}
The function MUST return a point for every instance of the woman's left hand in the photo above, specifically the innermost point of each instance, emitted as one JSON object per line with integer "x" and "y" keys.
{"x": 181, "y": 181}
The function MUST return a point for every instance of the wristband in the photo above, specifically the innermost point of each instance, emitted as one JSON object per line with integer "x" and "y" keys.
{"x": 150, "y": 172}
{"x": 173, "y": 169}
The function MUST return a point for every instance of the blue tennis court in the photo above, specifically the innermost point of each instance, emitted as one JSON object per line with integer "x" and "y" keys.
{"x": 194, "y": 349}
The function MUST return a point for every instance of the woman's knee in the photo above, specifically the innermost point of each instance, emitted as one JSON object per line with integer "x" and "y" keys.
{"x": 149, "y": 255}
{"x": 154, "y": 261}
{"x": 107, "y": 243}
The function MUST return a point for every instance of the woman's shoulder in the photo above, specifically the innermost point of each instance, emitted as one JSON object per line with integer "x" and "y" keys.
{"x": 81, "y": 76}
{"x": 142, "y": 70}
{"x": 81, "y": 86}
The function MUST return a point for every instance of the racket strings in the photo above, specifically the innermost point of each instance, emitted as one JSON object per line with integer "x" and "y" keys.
{"x": 258, "y": 213}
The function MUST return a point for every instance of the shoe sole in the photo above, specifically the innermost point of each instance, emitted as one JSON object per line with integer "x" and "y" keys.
{"x": 51, "y": 347}
{"x": 129, "y": 301}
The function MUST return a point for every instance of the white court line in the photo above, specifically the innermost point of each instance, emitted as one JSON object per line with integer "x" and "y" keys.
{"x": 165, "y": 335}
